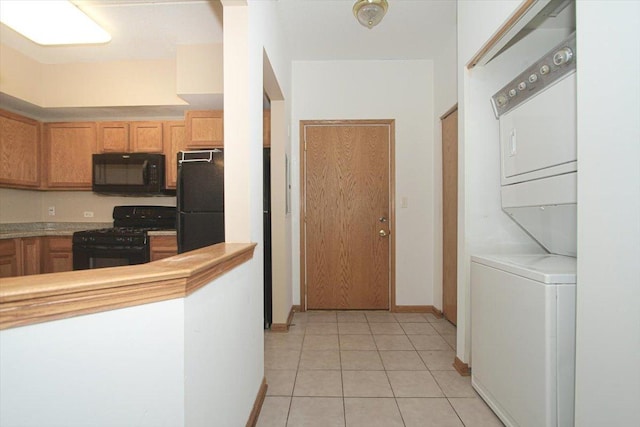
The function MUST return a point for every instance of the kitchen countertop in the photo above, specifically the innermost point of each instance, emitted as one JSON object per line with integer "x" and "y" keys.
{"x": 39, "y": 298}
{"x": 38, "y": 229}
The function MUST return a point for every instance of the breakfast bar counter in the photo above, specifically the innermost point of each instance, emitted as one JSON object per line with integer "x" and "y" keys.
{"x": 34, "y": 299}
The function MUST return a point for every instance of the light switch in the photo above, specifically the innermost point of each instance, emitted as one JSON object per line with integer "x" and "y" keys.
{"x": 404, "y": 202}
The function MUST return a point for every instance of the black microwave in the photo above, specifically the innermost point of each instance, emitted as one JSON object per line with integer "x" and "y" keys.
{"x": 129, "y": 174}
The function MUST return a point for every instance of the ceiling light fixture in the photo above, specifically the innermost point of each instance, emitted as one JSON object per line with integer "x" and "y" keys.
{"x": 51, "y": 22}
{"x": 370, "y": 12}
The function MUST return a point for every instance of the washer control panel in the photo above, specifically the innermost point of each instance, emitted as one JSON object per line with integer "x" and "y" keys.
{"x": 553, "y": 66}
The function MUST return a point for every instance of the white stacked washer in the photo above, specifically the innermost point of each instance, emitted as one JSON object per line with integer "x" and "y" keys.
{"x": 523, "y": 306}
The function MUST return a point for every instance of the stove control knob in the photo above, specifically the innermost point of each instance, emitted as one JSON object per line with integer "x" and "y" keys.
{"x": 522, "y": 86}
{"x": 544, "y": 70}
{"x": 562, "y": 56}
{"x": 501, "y": 100}
{"x": 512, "y": 93}
{"x": 533, "y": 78}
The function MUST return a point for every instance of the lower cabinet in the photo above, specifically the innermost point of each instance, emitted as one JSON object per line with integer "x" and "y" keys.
{"x": 57, "y": 254}
{"x": 20, "y": 257}
{"x": 9, "y": 257}
{"x": 163, "y": 247}
{"x": 31, "y": 248}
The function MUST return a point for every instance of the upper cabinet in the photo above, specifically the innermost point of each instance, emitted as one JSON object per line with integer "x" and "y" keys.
{"x": 113, "y": 137}
{"x": 204, "y": 129}
{"x": 19, "y": 151}
{"x": 174, "y": 141}
{"x": 146, "y": 137}
{"x": 130, "y": 137}
{"x": 68, "y": 148}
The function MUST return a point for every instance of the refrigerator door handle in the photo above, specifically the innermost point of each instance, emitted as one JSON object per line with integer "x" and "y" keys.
{"x": 209, "y": 152}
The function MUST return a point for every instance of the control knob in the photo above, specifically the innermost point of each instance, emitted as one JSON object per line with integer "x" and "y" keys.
{"x": 562, "y": 56}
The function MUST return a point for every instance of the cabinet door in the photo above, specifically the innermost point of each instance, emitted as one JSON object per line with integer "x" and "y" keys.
{"x": 113, "y": 137}
{"x": 19, "y": 151}
{"x": 204, "y": 129}
{"x": 266, "y": 128}
{"x": 163, "y": 247}
{"x": 174, "y": 141}
{"x": 9, "y": 259}
{"x": 146, "y": 137}
{"x": 69, "y": 147}
{"x": 31, "y": 259}
{"x": 58, "y": 254}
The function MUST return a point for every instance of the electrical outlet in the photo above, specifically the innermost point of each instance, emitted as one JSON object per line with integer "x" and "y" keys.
{"x": 88, "y": 214}
{"x": 52, "y": 211}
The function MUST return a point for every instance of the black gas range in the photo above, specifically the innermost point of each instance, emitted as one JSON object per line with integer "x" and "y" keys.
{"x": 127, "y": 242}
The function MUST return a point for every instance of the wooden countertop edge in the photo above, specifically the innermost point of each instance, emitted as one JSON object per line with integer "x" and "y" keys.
{"x": 34, "y": 299}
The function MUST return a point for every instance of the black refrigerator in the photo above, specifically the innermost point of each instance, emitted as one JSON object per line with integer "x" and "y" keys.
{"x": 266, "y": 216}
{"x": 200, "y": 199}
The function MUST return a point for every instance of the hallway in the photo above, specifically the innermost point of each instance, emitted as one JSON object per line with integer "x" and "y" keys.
{"x": 367, "y": 369}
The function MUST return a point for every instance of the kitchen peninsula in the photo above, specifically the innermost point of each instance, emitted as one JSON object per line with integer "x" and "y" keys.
{"x": 128, "y": 343}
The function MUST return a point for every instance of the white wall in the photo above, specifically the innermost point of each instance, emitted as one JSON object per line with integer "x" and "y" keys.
{"x": 608, "y": 291}
{"x": 117, "y": 368}
{"x": 445, "y": 90}
{"x": 184, "y": 362}
{"x": 223, "y": 350}
{"x": 400, "y": 90}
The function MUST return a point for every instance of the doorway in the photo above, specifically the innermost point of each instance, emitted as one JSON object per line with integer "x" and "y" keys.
{"x": 347, "y": 217}
{"x": 450, "y": 214}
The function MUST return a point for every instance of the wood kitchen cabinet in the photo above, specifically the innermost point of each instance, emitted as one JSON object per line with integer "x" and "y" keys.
{"x": 31, "y": 249}
{"x": 163, "y": 247}
{"x": 57, "y": 254}
{"x": 67, "y": 154}
{"x": 113, "y": 137}
{"x": 204, "y": 129}
{"x": 10, "y": 257}
{"x": 130, "y": 137}
{"x": 146, "y": 137}
{"x": 20, "y": 145}
{"x": 174, "y": 141}
{"x": 266, "y": 128}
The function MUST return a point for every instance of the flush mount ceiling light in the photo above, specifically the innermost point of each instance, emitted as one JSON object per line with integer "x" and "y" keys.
{"x": 51, "y": 22}
{"x": 370, "y": 12}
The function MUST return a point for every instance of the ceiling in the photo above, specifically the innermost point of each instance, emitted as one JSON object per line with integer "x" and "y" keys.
{"x": 315, "y": 29}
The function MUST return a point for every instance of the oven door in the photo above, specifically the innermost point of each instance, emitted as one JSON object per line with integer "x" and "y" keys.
{"x": 90, "y": 256}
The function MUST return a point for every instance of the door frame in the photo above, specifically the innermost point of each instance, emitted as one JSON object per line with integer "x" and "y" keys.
{"x": 392, "y": 204}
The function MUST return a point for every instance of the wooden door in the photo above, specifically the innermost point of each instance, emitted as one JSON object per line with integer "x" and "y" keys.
{"x": 347, "y": 215}
{"x": 174, "y": 142}
{"x": 450, "y": 215}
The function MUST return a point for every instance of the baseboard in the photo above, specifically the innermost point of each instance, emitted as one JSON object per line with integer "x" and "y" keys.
{"x": 257, "y": 405}
{"x": 462, "y": 368}
{"x": 417, "y": 309}
{"x": 284, "y": 327}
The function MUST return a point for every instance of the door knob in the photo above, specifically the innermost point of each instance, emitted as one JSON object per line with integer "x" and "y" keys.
{"x": 382, "y": 233}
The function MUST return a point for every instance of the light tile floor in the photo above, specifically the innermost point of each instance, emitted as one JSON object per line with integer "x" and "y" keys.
{"x": 350, "y": 369}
